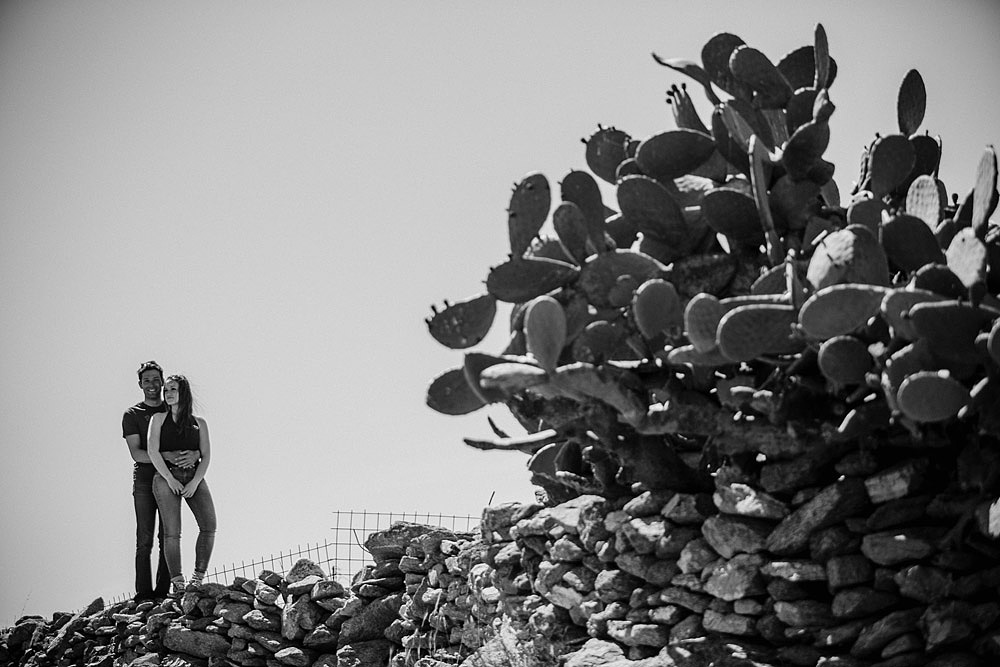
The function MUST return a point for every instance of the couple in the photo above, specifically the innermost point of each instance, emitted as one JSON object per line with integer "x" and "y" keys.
{"x": 171, "y": 450}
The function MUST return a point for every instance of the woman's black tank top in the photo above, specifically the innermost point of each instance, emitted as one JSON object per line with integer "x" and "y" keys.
{"x": 173, "y": 439}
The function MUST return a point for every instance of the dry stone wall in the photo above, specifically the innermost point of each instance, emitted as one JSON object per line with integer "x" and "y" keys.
{"x": 868, "y": 554}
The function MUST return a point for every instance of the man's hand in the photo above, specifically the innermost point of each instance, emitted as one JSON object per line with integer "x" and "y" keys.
{"x": 184, "y": 458}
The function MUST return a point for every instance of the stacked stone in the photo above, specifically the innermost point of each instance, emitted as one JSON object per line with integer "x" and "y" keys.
{"x": 815, "y": 552}
{"x": 437, "y": 604}
{"x": 84, "y": 638}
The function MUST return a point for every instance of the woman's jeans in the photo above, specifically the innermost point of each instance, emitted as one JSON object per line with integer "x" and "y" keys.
{"x": 170, "y": 514}
{"x": 145, "y": 531}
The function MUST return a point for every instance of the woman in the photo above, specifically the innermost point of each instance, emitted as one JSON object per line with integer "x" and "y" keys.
{"x": 178, "y": 430}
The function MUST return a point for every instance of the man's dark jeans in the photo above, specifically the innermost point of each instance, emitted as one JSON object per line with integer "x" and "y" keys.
{"x": 145, "y": 526}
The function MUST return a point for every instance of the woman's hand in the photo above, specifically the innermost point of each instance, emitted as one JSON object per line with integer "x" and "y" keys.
{"x": 175, "y": 486}
{"x": 188, "y": 490}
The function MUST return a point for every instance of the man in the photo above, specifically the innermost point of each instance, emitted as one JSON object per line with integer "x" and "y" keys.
{"x": 135, "y": 423}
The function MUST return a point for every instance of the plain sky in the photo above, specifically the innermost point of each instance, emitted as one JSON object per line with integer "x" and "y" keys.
{"x": 268, "y": 197}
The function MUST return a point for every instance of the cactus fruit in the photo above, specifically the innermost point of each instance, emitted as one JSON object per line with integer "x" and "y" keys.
{"x": 657, "y": 308}
{"x": 605, "y": 151}
{"x": 522, "y": 279}
{"x": 529, "y": 207}
{"x": 747, "y": 332}
{"x": 909, "y": 243}
{"x": 450, "y": 394}
{"x": 931, "y": 396}
{"x": 911, "y": 103}
{"x": 671, "y": 154}
{"x": 849, "y": 255}
{"x": 463, "y": 324}
{"x": 545, "y": 331}
{"x": 840, "y": 309}
{"x": 844, "y": 360}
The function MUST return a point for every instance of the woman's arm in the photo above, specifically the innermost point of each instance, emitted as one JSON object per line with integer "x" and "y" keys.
{"x": 153, "y": 449}
{"x": 205, "y": 447}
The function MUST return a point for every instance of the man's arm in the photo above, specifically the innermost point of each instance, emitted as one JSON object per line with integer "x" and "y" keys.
{"x": 139, "y": 455}
{"x": 184, "y": 459}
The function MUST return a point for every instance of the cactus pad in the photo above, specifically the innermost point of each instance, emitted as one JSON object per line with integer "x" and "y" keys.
{"x": 597, "y": 342}
{"x": 463, "y": 324}
{"x": 926, "y": 199}
{"x": 931, "y": 396}
{"x": 605, "y": 151}
{"x": 512, "y": 377}
{"x": 715, "y": 56}
{"x": 545, "y": 331}
{"x": 911, "y": 103}
{"x": 840, "y": 309}
{"x": 951, "y": 327}
{"x": 571, "y": 229}
{"x": 522, "y": 279}
{"x": 650, "y": 207}
{"x": 657, "y": 308}
{"x": 844, "y": 360}
{"x": 529, "y": 207}
{"x": 909, "y": 243}
{"x": 967, "y": 257}
{"x": 747, "y": 332}
{"x": 799, "y": 68}
{"x": 580, "y": 188}
{"x": 734, "y": 214}
{"x": 896, "y": 305}
{"x": 849, "y": 255}
{"x": 599, "y": 276}
{"x": 985, "y": 192}
{"x": 671, "y": 154}
{"x": 701, "y": 321}
{"x": 756, "y": 70}
{"x": 450, "y": 394}
{"x": 890, "y": 162}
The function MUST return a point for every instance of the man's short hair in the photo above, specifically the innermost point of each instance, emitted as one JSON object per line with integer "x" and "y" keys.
{"x": 149, "y": 366}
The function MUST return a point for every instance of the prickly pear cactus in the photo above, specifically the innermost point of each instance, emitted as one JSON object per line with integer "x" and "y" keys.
{"x": 727, "y": 293}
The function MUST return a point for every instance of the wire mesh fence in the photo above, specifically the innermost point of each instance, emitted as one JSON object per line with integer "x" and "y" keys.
{"x": 341, "y": 556}
{"x": 351, "y": 529}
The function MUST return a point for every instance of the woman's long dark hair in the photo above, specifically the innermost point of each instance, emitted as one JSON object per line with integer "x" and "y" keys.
{"x": 185, "y": 402}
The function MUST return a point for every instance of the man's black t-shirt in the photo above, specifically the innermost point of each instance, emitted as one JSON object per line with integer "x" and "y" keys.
{"x": 135, "y": 421}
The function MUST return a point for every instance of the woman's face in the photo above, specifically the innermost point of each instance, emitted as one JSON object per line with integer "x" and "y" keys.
{"x": 171, "y": 392}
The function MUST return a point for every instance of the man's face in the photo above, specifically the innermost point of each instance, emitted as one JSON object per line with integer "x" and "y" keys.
{"x": 151, "y": 383}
